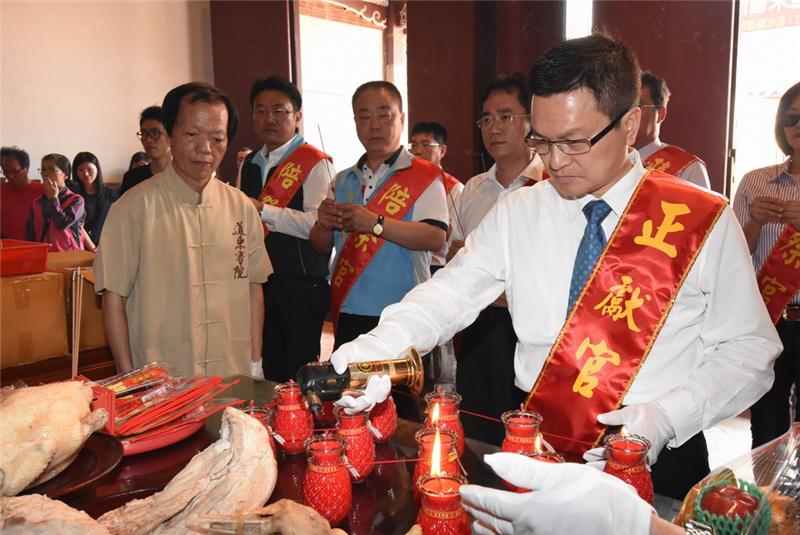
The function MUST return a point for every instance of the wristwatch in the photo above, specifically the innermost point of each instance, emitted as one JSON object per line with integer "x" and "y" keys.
{"x": 378, "y": 228}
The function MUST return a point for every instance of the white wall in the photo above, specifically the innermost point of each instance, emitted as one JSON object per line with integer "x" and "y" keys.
{"x": 75, "y": 75}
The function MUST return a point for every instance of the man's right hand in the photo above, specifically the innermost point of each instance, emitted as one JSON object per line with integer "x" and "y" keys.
{"x": 455, "y": 246}
{"x": 766, "y": 209}
{"x": 329, "y": 216}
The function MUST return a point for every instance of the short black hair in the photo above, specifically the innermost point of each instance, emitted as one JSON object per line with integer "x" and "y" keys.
{"x": 60, "y": 161}
{"x": 783, "y": 105}
{"x": 510, "y": 83}
{"x": 659, "y": 91}
{"x": 23, "y": 158}
{"x": 438, "y": 131}
{"x": 599, "y": 63}
{"x": 84, "y": 157}
{"x": 151, "y": 113}
{"x": 192, "y": 93}
{"x": 137, "y": 157}
{"x": 274, "y": 82}
{"x": 378, "y": 85}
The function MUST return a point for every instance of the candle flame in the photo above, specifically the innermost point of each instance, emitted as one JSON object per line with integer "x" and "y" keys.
{"x": 623, "y": 432}
{"x": 537, "y": 443}
{"x": 435, "y": 414}
{"x": 436, "y": 461}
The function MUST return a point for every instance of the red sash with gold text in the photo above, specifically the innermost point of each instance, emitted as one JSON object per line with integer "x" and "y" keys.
{"x": 449, "y": 182}
{"x": 289, "y": 176}
{"x": 779, "y": 276}
{"x": 395, "y": 198}
{"x": 616, "y": 319}
{"x": 670, "y": 159}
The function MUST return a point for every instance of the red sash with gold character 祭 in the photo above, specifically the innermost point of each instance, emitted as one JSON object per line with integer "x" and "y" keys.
{"x": 289, "y": 176}
{"x": 395, "y": 198}
{"x": 670, "y": 159}
{"x": 779, "y": 276}
{"x": 625, "y": 302}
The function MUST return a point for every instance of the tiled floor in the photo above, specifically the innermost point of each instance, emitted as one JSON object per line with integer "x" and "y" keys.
{"x": 726, "y": 441}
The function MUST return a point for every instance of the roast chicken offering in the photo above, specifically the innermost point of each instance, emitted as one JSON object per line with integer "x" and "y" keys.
{"x": 43, "y": 428}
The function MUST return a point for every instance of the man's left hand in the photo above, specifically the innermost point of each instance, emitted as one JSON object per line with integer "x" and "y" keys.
{"x": 791, "y": 213}
{"x": 357, "y": 218}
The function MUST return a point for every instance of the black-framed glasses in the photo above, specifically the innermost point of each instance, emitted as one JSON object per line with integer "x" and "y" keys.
{"x": 424, "y": 145}
{"x": 46, "y": 170}
{"x": 153, "y": 133}
{"x": 488, "y": 120}
{"x": 571, "y": 147}
{"x": 643, "y": 106}
{"x": 788, "y": 120}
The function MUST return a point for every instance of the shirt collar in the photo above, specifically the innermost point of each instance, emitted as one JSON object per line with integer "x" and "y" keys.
{"x": 183, "y": 192}
{"x": 651, "y": 147}
{"x": 529, "y": 173}
{"x": 618, "y": 195}
{"x": 279, "y": 152}
{"x": 400, "y": 159}
{"x": 783, "y": 170}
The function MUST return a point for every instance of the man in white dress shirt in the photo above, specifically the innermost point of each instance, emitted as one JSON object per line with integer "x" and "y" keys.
{"x": 656, "y": 154}
{"x": 714, "y": 352}
{"x": 487, "y": 385}
{"x": 286, "y": 180}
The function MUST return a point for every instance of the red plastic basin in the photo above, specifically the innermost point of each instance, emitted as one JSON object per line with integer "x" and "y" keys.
{"x": 22, "y": 257}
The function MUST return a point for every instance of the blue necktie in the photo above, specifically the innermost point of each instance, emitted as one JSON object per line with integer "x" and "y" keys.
{"x": 592, "y": 245}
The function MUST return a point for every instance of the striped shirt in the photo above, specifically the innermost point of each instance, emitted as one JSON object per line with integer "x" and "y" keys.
{"x": 772, "y": 181}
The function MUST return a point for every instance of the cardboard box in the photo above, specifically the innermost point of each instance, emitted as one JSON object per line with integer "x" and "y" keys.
{"x": 34, "y": 318}
{"x": 93, "y": 334}
{"x": 69, "y": 259}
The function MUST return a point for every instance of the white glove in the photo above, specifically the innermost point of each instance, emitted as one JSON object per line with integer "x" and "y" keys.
{"x": 375, "y": 345}
{"x": 378, "y": 388}
{"x": 256, "y": 369}
{"x": 568, "y": 498}
{"x": 648, "y": 420}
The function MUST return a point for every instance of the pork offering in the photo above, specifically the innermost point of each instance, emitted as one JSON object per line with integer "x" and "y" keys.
{"x": 44, "y": 427}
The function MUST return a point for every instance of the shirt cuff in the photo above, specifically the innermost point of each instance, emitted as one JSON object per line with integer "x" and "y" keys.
{"x": 269, "y": 215}
{"x": 681, "y": 411}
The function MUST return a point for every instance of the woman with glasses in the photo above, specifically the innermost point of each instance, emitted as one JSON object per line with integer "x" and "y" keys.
{"x": 87, "y": 181}
{"x": 57, "y": 216}
{"x": 767, "y": 205}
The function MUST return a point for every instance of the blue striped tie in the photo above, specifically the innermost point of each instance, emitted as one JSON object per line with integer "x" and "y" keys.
{"x": 592, "y": 245}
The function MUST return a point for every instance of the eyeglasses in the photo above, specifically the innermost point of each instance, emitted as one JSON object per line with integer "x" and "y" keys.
{"x": 571, "y": 147}
{"x": 154, "y": 134}
{"x": 278, "y": 112}
{"x": 790, "y": 119}
{"x": 47, "y": 170}
{"x": 488, "y": 120}
{"x": 424, "y": 145}
{"x": 643, "y": 106}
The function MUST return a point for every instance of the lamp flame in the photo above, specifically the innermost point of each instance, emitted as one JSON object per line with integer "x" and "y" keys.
{"x": 436, "y": 460}
{"x": 623, "y": 432}
{"x": 435, "y": 414}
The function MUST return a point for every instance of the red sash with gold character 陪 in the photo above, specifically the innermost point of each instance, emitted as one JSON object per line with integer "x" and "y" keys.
{"x": 670, "y": 159}
{"x": 611, "y": 329}
{"x": 779, "y": 276}
{"x": 395, "y": 198}
{"x": 289, "y": 176}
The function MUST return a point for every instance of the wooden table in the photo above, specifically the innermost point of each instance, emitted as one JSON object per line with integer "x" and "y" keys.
{"x": 383, "y": 504}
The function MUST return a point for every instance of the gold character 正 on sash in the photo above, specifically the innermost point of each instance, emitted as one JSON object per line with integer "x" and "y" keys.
{"x": 617, "y": 307}
{"x": 587, "y": 379}
{"x": 668, "y": 225}
{"x": 395, "y": 198}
